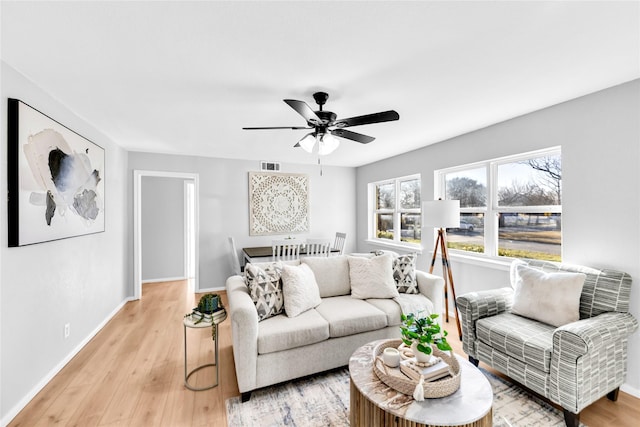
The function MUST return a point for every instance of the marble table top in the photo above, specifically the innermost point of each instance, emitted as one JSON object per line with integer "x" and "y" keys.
{"x": 469, "y": 403}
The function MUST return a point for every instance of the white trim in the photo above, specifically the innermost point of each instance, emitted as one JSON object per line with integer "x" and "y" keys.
{"x": 630, "y": 390}
{"x": 137, "y": 229}
{"x": 11, "y": 414}
{"x": 211, "y": 289}
{"x": 164, "y": 279}
{"x": 390, "y": 244}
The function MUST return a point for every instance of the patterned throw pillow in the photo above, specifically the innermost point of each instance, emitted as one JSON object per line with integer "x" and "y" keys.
{"x": 404, "y": 273}
{"x": 265, "y": 288}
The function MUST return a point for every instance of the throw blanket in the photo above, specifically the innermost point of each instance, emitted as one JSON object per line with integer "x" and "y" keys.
{"x": 414, "y": 303}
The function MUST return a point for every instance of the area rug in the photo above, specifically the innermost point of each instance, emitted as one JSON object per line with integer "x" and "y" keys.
{"x": 323, "y": 400}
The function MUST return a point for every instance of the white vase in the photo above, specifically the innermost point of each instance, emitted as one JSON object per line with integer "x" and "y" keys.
{"x": 420, "y": 356}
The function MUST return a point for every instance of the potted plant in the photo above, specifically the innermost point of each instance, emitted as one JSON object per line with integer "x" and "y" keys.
{"x": 420, "y": 333}
{"x": 208, "y": 303}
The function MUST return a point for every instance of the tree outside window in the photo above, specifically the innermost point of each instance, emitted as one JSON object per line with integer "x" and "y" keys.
{"x": 397, "y": 210}
{"x": 509, "y": 207}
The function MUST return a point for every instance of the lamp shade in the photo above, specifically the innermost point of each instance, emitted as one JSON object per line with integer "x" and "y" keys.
{"x": 308, "y": 142}
{"x": 441, "y": 213}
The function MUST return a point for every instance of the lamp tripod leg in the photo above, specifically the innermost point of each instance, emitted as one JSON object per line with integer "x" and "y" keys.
{"x": 446, "y": 266}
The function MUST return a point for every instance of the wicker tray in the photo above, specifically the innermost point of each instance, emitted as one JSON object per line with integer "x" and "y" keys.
{"x": 395, "y": 379}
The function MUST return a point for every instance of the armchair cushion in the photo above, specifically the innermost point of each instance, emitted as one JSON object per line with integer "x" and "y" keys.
{"x": 552, "y": 298}
{"x": 526, "y": 340}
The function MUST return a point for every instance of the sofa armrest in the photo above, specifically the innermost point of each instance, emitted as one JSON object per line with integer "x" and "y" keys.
{"x": 244, "y": 331}
{"x": 589, "y": 358}
{"x": 432, "y": 287}
{"x": 476, "y": 305}
{"x": 593, "y": 334}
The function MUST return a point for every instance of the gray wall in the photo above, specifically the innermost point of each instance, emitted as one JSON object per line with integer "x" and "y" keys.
{"x": 80, "y": 280}
{"x": 162, "y": 220}
{"x": 600, "y": 139}
{"x": 224, "y": 205}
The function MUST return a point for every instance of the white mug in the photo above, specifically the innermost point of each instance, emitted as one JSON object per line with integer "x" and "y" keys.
{"x": 391, "y": 357}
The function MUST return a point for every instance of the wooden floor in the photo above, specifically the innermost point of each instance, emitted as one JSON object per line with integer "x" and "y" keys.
{"x": 132, "y": 373}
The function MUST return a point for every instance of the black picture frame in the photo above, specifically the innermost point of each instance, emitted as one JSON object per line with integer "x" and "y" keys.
{"x": 55, "y": 179}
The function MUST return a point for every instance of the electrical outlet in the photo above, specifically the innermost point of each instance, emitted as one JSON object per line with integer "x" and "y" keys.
{"x": 67, "y": 330}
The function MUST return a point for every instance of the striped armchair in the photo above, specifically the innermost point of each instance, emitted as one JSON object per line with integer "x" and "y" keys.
{"x": 572, "y": 365}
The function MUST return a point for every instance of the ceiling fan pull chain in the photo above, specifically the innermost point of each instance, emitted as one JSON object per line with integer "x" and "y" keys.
{"x": 320, "y": 164}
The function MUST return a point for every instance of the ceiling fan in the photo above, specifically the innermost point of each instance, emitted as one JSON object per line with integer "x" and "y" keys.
{"x": 326, "y": 125}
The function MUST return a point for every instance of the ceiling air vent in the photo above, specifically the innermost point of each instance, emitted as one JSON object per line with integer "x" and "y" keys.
{"x": 270, "y": 166}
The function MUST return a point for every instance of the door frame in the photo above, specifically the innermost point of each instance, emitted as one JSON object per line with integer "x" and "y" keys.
{"x": 137, "y": 226}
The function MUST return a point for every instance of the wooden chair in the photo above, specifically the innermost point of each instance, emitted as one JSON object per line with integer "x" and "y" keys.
{"x": 341, "y": 238}
{"x": 286, "y": 249}
{"x": 233, "y": 257}
{"x": 318, "y": 247}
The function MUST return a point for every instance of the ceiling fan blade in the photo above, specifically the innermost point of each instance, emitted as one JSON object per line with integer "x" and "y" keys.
{"x": 354, "y": 136}
{"x": 277, "y": 127}
{"x": 385, "y": 116}
{"x": 304, "y": 110}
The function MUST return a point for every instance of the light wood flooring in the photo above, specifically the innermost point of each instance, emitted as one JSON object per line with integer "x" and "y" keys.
{"x": 132, "y": 373}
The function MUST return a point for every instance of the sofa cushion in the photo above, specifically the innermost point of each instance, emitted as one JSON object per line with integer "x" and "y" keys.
{"x": 404, "y": 273}
{"x": 372, "y": 278}
{"x": 526, "y": 340}
{"x": 552, "y": 298}
{"x": 389, "y": 307}
{"x": 331, "y": 273}
{"x": 282, "y": 333}
{"x": 300, "y": 289}
{"x": 265, "y": 288}
{"x": 348, "y": 316}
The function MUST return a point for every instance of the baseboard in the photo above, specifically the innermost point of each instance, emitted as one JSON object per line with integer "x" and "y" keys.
{"x": 164, "y": 279}
{"x": 11, "y": 414}
{"x": 211, "y": 290}
{"x": 630, "y": 390}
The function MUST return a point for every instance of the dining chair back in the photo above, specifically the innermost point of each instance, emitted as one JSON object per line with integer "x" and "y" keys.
{"x": 341, "y": 238}
{"x": 318, "y": 247}
{"x": 286, "y": 249}
{"x": 233, "y": 257}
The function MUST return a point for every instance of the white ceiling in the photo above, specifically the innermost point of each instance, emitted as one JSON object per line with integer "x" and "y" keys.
{"x": 185, "y": 77}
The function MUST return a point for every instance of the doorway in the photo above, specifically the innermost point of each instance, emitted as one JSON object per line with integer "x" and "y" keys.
{"x": 191, "y": 228}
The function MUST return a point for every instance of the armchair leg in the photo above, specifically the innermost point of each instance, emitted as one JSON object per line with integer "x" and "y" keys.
{"x": 613, "y": 395}
{"x": 474, "y": 361}
{"x": 571, "y": 419}
{"x": 245, "y": 396}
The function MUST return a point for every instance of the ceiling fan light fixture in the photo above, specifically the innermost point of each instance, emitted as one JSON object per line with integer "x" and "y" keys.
{"x": 327, "y": 143}
{"x": 308, "y": 142}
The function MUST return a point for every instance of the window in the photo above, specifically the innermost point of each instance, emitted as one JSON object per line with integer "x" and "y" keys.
{"x": 509, "y": 207}
{"x": 395, "y": 210}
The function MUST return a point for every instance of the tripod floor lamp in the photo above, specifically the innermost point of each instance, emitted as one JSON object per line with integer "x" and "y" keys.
{"x": 442, "y": 214}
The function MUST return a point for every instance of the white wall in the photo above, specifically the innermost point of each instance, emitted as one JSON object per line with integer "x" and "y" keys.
{"x": 600, "y": 139}
{"x": 224, "y": 205}
{"x": 80, "y": 280}
{"x": 162, "y": 220}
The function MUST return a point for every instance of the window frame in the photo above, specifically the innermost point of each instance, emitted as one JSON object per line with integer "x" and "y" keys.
{"x": 397, "y": 212}
{"x": 491, "y": 211}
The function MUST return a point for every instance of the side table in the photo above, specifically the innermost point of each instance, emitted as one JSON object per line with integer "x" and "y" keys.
{"x": 188, "y": 322}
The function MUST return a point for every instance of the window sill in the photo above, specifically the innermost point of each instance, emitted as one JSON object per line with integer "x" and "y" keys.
{"x": 496, "y": 263}
{"x": 396, "y": 246}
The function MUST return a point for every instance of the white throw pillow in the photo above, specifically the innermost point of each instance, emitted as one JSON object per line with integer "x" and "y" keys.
{"x": 331, "y": 273}
{"x": 300, "y": 289}
{"x": 551, "y": 298}
{"x": 372, "y": 277}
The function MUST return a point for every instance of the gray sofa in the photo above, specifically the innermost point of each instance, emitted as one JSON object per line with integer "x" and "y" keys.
{"x": 572, "y": 364}
{"x": 282, "y": 348}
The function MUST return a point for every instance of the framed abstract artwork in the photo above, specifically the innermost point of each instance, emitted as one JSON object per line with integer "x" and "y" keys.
{"x": 278, "y": 203}
{"x": 55, "y": 179}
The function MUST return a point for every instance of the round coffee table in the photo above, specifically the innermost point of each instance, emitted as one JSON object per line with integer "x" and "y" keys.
{"x": 375, "y": 403}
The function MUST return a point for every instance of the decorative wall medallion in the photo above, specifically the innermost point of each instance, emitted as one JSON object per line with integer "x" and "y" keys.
{"x": 278, "y": 203}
